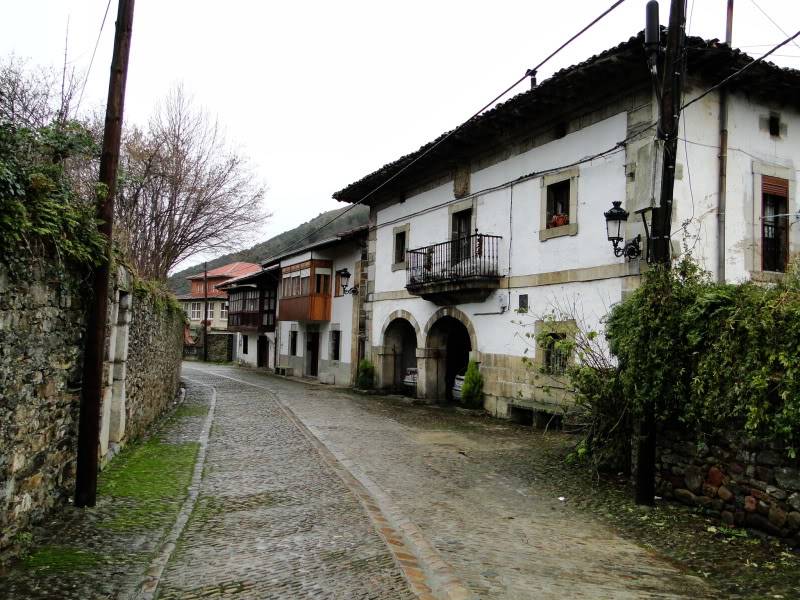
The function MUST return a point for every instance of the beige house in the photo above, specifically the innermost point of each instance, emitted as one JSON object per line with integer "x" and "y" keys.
{"x": 204, "y": 293}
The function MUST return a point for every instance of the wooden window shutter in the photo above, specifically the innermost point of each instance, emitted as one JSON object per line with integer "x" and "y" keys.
{"x": 774, "y": 186}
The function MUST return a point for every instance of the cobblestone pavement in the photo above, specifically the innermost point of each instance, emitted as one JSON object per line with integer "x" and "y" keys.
{"x": 102, "y": 552}
{"x": 452, "y": 485}
{"x": 273, "y": 519}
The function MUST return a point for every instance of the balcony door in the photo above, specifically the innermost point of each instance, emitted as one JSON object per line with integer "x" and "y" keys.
{"x": 462, "y": 224}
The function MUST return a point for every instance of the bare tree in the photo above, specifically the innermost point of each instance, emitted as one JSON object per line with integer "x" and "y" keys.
{"x": 35, "y": 96}
{"x": 182, "y": 190}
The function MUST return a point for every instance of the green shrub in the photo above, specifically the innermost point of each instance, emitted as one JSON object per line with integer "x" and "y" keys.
{"x": 365, "y": 377}
{"x": 712, "y": 357}
{"x": 603, "y": 417}
{"x": 472, "y": 390}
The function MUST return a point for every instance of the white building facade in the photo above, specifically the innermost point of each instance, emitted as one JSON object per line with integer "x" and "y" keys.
{"x": 320, "y": 321}
{"x": 476, "y": 245}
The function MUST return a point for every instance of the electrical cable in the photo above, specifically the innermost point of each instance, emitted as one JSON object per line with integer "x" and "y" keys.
{"x": 619, "y": 147}
{"x": 91, "y": 61}
{"x": 441, "y": 140}
{"x": 740, "y": 71}
{"x": 771, "y": 20}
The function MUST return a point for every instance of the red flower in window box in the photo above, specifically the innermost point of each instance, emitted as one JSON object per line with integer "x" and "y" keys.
{"x": 559, "y": 220}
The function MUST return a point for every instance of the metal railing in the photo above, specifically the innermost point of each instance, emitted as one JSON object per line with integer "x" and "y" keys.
{"x": 470, "y": 257}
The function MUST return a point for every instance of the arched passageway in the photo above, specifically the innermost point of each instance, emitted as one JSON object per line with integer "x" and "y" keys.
{"x": 450, "y": 340}
{"x": 400, "y": 347}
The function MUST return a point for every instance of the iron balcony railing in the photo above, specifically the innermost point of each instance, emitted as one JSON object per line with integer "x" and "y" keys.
{"x": 469, "y": 257}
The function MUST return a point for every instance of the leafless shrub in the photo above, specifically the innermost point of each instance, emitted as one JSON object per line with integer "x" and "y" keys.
{"x": 36, "y": 96}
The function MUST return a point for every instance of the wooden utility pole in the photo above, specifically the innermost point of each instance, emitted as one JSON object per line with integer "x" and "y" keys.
{"x": 94, "y": 353}
{"x": 668, "y": 128}
{"x": 662, "y": 220}
{"x": 205, "y": 311}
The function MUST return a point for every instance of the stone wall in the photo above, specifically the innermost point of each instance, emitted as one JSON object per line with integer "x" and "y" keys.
{"x": 42, "y": 332}
{"x": 155, "y": 349}
{"x": 742, "y": 481}
{"x": 220, "y": 347}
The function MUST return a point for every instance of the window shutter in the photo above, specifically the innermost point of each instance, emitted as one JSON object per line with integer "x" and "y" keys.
{"x": 774, "y": 186}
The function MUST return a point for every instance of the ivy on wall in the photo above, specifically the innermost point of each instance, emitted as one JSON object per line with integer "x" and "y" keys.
{"x": 717, "y": 357}
{"x": 40, "y": 207}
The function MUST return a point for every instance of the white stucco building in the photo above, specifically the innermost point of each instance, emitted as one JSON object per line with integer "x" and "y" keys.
{"x": 320, "y": 322}
{"x": 302, "y": 314}
{"x": 507, "y": 215}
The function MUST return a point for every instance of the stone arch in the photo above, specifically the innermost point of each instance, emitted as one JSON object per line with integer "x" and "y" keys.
{"x": 400, "y": 338}
{"x": 401, "y": 314}
{"x": 450, "y": 340}
{"x": 450, "y": 311}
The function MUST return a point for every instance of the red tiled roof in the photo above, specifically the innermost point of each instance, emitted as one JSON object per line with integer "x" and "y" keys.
{"x": 234, "y": 269}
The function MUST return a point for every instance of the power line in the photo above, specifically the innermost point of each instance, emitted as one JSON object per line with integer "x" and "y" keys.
{"x": 740, "y": 71}
{"x": 91, "y": 61}
{"x": 445, "y": 137}
{"x": 771, "y": 20}
{"x": 618, "y": 147}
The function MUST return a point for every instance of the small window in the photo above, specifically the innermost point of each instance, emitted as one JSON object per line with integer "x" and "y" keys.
{"x": 196, "y": 311}
{"x": 523, "y": 303}
{"x": 774, "y": 224}
{"x": 556, "y": 356}
{"x": 775, "y": 125}
{"x": 558, "y": 204}
{"x": 223, "y": 311}
{"x": 323, "y": 285}
{"x": 245, "y": 341}
{"x": 304, "y": 286}
{"x": 336, "y": 339}
{"x": 292, "y": 343}
{"x": 400, "y": 247}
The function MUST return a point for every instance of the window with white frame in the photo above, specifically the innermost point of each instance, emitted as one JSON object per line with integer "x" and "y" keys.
{"x": 196, "y": 311}
{"x": 223, "y": 311}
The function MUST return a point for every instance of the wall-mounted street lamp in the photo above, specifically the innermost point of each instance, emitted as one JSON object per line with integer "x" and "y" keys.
{"x": 616, "y": 218}
{"x": 344, "y": 277}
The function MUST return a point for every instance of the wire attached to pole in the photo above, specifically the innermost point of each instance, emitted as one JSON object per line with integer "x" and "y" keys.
{"x": 451, "y": 133}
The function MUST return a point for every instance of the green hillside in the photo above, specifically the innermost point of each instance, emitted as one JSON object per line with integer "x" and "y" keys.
{"x": 256, "y": 254}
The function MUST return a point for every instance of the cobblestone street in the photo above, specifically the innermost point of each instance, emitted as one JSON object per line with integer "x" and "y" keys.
{"x": 474, "y": 528}
{"x": 308, "y": 491}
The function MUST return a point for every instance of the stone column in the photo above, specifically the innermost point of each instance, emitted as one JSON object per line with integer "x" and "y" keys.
{"x": 430, "y": 372}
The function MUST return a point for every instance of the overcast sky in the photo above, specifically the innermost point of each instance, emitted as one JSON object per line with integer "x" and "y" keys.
{"x": 318, "y": 94}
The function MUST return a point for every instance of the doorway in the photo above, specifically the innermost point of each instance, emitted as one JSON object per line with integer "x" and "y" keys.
{"x": 400, "y": 341}
{"x": 262, "y": 352}
{"x": 312, "y": 353}
{"x": 451, "y": 338}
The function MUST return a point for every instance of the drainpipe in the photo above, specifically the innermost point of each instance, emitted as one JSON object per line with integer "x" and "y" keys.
{"x": 723, "y": 159}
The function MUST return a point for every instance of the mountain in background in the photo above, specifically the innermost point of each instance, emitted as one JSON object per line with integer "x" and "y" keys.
{"x": 357, "y": 216}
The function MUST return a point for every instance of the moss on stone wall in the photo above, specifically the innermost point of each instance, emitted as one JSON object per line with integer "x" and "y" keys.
{"x": 42, "y": 331}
